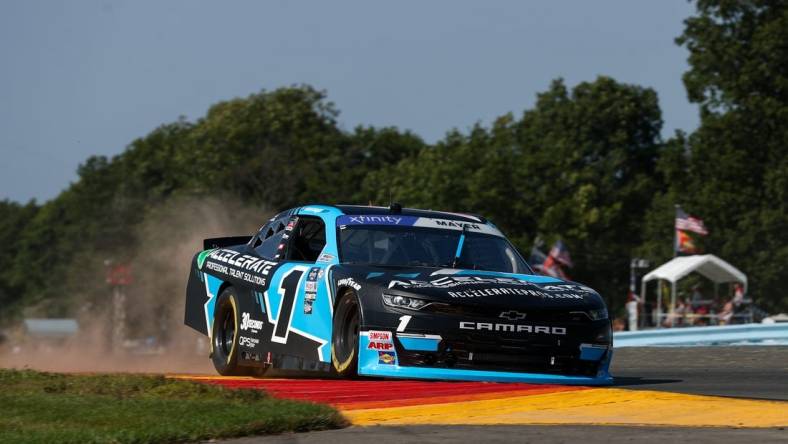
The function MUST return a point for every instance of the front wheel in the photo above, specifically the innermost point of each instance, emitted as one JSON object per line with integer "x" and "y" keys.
{"x": 344, "y": 341}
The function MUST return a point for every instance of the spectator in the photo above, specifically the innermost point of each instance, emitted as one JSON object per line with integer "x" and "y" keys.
{"x": 738, "y": 295}
{"x": 726, "y": 314}
{"x": 632, "y": 311}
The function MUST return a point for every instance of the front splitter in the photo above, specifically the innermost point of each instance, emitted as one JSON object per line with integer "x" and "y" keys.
{"x": 397, "y": 371}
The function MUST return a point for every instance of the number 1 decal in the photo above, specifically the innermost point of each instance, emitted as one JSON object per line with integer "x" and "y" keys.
{"x": 403, "y": 322}
{"x": 288, "y": 290}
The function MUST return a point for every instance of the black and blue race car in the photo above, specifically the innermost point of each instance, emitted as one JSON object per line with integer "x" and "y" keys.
{"x": 392, "y": 292}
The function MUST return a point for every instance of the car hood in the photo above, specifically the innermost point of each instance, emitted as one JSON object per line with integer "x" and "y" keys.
{"x": 475, "y": 287}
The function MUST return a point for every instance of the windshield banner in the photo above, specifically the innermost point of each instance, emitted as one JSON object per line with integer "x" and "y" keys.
{"x": 413, "y": 221}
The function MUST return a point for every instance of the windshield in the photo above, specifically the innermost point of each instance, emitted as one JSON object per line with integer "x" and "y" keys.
{"x": 425, "y": 247}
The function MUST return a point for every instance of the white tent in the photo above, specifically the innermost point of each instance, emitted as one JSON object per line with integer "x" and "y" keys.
{"x": 708, "y": 265}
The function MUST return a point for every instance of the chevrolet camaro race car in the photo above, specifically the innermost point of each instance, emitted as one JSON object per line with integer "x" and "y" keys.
{"x": 392, "y": 292}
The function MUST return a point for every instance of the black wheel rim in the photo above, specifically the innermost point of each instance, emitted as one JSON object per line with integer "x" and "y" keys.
{"x": 346, "y": 341}
{"x": 226, "y": 333}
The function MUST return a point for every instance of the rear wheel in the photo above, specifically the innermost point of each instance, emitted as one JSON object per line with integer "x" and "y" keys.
{"x": 344, "y": 341}
{"x": 224, "y": 340}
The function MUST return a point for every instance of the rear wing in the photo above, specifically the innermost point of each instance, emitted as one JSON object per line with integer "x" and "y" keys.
{"x": 221, "y": 242}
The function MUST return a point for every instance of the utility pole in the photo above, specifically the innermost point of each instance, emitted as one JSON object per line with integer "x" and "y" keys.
{"x": 118, "y": 277}
{"x": 635, "y": 264}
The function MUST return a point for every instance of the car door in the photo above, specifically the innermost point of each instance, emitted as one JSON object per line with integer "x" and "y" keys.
{"x": 297, "y": 300}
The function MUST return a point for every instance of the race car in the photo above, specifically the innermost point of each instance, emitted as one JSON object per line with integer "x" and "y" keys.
{"x": 392, "y": 292}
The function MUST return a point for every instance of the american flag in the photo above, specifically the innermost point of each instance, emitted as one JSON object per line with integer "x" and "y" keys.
{"x": 685, "y": 222}
{"x": 561, "y": 254}
{"x": 551, "y": 267}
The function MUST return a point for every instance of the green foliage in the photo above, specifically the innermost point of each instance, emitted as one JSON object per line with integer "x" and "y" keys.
{"x": 577, "y": 166}
{"x": 47, "y": 407}
{"x": 738, "y": 168}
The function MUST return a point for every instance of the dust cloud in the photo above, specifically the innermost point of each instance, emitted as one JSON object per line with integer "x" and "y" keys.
{"x": 155, "y": 338}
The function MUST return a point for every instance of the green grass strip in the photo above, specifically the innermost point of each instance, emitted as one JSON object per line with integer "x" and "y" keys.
{"x": 40, "y": 407}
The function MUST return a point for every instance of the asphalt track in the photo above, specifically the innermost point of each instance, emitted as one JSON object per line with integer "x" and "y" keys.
{"x": 715, "y": 394}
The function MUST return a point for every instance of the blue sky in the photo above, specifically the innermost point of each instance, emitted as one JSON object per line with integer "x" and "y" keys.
{"x": 88, "y": 77}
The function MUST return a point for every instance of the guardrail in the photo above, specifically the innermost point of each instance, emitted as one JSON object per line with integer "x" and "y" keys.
{"x": 702, "y": 335}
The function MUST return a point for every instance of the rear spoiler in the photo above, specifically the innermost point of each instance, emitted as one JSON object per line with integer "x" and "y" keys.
{"x": 221, "y": 242}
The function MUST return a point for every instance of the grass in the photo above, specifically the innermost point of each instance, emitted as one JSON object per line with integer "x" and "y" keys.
{"x": 40, "y": 407}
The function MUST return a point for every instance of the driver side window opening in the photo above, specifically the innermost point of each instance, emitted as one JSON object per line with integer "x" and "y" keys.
{"x": 269, "y": 239}
{"x": 309, "y": 238}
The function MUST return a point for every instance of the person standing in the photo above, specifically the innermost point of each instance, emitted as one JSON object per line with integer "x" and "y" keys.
{"x": 632, "y": 311}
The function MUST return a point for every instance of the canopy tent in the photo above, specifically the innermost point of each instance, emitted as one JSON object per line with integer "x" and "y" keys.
{"x": 707, "y": 265}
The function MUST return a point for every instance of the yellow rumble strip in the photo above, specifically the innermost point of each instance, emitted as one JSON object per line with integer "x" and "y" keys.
{"x": 594, "y": 406}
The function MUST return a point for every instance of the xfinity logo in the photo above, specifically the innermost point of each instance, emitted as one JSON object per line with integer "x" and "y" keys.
{"x": 247, "y": 323}
{"x": 375, "y": 219}
{"x": 512, "y": 315}
{"x": 512, "y": 328}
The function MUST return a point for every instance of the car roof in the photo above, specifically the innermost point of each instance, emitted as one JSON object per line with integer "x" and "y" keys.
{"x": 371, "y": 210}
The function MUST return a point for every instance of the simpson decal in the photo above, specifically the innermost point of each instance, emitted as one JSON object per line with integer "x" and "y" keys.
{"x": 381, "y": 336}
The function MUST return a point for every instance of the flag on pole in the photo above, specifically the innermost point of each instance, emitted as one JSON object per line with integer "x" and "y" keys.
{"x": 560, "y": 253}
{"x": 685, "y": 222}
{"x": 684, "y": 243}
{"x": 551, "y": 267}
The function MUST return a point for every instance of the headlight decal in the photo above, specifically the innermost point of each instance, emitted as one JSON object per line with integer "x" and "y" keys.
{"x": 400, "y": 301}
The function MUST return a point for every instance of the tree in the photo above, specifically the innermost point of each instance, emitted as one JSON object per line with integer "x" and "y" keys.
{"x": 579, "y": 166}
{"x": 738, "y": 167}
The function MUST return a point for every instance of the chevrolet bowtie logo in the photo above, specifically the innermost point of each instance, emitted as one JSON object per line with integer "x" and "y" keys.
{"x": 512, "y": 315}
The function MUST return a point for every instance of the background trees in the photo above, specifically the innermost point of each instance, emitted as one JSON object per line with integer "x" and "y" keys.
{"x": 585, "y": 164}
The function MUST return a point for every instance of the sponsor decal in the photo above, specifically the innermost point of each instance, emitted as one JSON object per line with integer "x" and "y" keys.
{"x": 201, "y": 257}
{"x": 290, "y": 226}
{"x": 248, "y": 342}
{"x": 348, "y": 282}
{"x": 457, "y": 224}
{"x": 310, "y": 296}
{"x": 314, "y": 274}
{"x": 376, "y": 220}
{"x": 239, "y": 266}
{"x": 380, "y": 336}
{"x": 311, "y": 286}
{"x": 320, "y": 274}
{"x": 513, "y": 328}
{"x": 387, "y": 357}
{"x": 521, "y": 287}
{"x": 326, "y": 257}
{"x": 380, "y": 346}
{"x": 308, "y": 306}
{"x": 568, "y": 287}
{"x": 247, "y": 323}
{"x": 426, "y": 222}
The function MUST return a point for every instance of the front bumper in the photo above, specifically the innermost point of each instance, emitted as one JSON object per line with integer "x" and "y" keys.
{"x": 387, "y": 363}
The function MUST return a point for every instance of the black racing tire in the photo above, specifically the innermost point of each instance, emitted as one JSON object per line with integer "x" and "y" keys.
{"x": 224, "y": 338}
{"x": 344, "y": 340}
